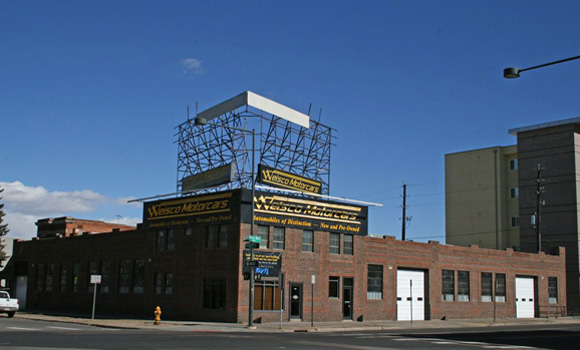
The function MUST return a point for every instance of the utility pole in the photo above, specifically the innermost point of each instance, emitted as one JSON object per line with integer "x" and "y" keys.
{"x": 404, "y": 218}
{"x": 539, "y": 191}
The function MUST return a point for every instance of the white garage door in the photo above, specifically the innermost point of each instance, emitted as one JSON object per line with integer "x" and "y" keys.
{"x": 525, "y": 297}
{"x": 410, "y": 295}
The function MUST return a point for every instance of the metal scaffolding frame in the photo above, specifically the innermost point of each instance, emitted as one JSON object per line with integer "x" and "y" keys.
{"x": 280, "y": 144}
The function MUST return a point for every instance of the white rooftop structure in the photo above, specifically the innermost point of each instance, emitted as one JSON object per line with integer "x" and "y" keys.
{"x": 251, "y": 99}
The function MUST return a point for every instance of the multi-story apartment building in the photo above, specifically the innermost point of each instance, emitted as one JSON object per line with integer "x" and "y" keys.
{"x": 482, "y": 198}
{"x": 546, "y": 184}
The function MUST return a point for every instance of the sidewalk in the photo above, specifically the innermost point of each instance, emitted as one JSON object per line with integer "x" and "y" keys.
{"x": 194, "y": 326}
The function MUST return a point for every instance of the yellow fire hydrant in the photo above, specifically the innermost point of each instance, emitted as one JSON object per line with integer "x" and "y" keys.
{"x": 157, "y": 314}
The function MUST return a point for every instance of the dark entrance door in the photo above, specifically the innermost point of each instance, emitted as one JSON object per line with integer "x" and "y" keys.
{"x": 347, "y": 284}
{"x": 296, "y": 301}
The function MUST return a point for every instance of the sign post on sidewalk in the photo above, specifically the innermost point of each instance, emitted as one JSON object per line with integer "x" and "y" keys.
{"x": 312, "y": 302}
{"x": 95, "y": 279}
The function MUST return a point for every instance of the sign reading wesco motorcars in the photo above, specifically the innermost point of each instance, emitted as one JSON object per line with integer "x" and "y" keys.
{"x": 183, "y": 211}
{"x": 273, "y": 209}
{"x": 278, "y": 178}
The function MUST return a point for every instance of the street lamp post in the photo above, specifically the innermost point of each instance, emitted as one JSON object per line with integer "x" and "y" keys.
{"x": 203, "y": 121}
{"x": 514, "y": 72}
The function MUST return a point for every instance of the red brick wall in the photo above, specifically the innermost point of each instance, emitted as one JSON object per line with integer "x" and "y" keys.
{"x": 191, "y": 263}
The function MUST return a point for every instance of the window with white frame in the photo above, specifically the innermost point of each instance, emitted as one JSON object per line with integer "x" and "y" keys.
{"x": 348, "y": 245}
{"x": 375, "y": 282}
{"x": 279, "y": 238}
{"x": 263, "y": 232}
{"x": 334, "y": 246}
{"x": 448, "y": 285}
{"x": 552, "y": 290}
{"x": 463, "y": 286}
{"x": 307, "y": 241}
{"x": 486, "y": 286}
{"x": 500, "y": 287}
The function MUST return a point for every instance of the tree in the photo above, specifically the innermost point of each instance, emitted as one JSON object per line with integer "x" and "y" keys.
{"x": 3, "y": 231}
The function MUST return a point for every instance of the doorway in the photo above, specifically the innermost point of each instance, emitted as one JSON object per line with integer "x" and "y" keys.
{"x": 295, "y": 301}
{"x": 347, "y": 284}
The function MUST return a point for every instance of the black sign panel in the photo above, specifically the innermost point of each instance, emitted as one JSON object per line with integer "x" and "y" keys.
{"x": 278, "y": 178}
{"x": 204, "y": 209}
{"x": 268, "y": 264}
{"x": 279, "y": 210}
{"x": 213, "y": 177}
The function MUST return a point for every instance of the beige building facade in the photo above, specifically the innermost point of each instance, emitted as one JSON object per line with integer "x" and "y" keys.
{"x": 482, "y": 198}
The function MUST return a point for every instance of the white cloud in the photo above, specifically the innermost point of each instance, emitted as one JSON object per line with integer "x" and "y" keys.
{"x": 24, "y": 205}
{"x": 124, "y": 220}
{"x": 39, "y": 201}
{"x": 192, "y": 65}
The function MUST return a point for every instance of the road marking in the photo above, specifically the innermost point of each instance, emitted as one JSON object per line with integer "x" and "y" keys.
{"x": 23, "y": 329}
{"x": 507, "y": 347}
{"x": 66, "y": 328}
{"x": 376, "y": 336}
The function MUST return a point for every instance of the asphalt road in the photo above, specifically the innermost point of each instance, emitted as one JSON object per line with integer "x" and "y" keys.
{"x": 23, "y": 334}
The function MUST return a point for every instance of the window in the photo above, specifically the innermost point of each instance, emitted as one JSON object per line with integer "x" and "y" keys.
{"x": 500, "y": 287}
{"x": 169, "y": 283}
{"x": 223, "y": 236}
{"x": 105, "y": 272}
{"x": 333, "y": 284}
{"x": 170, "y": 240}
{"x": 161, "y": 240}
{"x": 75, "y": 276}
{"x": 307, "y": 241}
{"x": 514, "y": 164}
{"x": 159, "y": 282}
{"x": 210, "y": 236}
{"x": 139, "y": 277}
{"x": 216, "y": 236}
{"x": 463, "y": 286}
{"x": 40, "y": 277}
{"x": 348, "y": 245}
{"x": 486, "y": 286}
{"x": 214, "y": 293}
{"x": 552, "y": 290}
{"x": 125, "y": 268}
{"x": 189, "y": 231}
{"x": 164, "y": 283}
{"x": 515, "y": 221}
{"x": 279, "y": 237}
{"x": 448, "y": 285}
{"x": 63, "y": 277}
{"x": 375, "y": 282}
{"x": 49, "y": 277}
{"x": 263, "y": 233}
{"x": 334, "y": 246}
{"x": 514, "y": 192}
{"x": 266, "y": 296}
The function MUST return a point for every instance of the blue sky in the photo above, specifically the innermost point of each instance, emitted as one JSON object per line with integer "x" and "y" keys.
{"x": 90, "y": 92}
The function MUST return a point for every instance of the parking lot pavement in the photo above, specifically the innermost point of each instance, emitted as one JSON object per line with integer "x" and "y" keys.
{"x": 169, "y": 325}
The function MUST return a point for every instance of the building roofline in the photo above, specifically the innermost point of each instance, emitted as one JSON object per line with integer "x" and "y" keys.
{"x": 480, "y": 149}
{"x": 515, "y": 131}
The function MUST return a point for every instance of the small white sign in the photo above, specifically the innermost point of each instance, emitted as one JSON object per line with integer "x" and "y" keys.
{"x": 313, "y": 279}
{"x": 95, "y": 279}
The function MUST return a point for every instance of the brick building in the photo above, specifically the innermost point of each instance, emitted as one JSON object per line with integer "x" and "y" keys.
{"x": 188, "y": 257}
